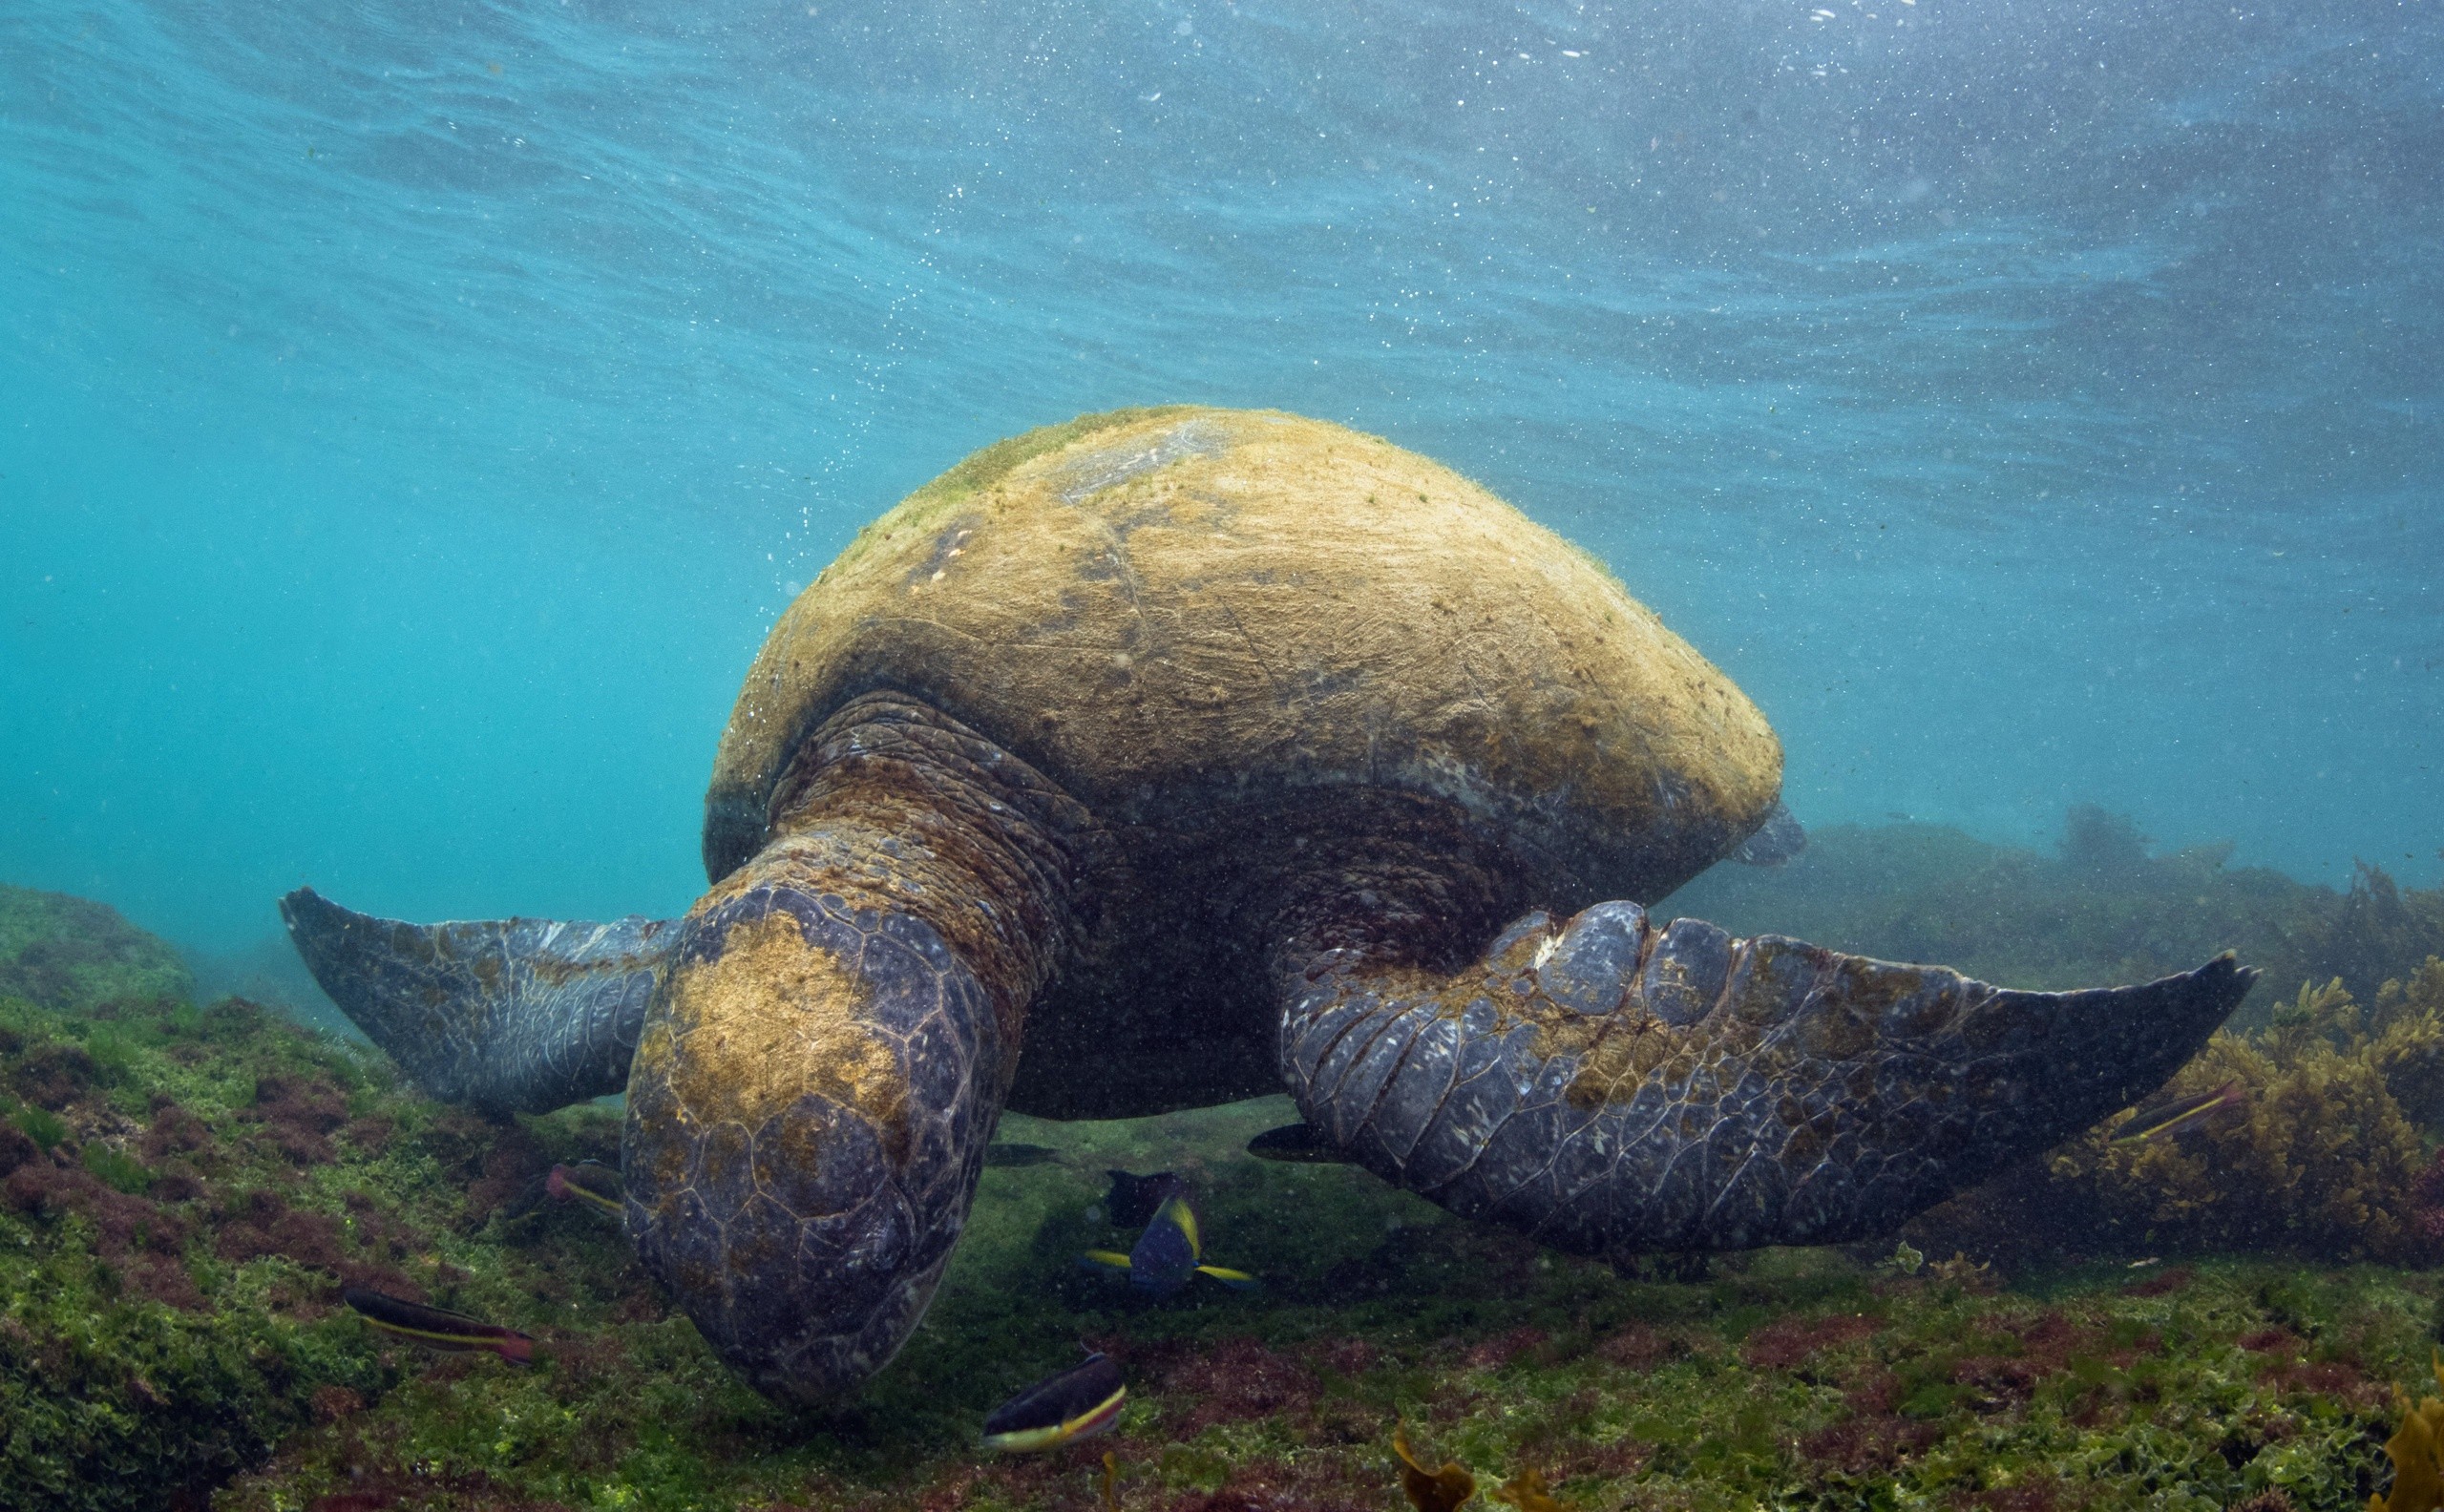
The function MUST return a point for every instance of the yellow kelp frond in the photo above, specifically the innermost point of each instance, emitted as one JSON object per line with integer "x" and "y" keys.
{"x": 2327, "y": 1013}
{"x": 2408, "y": 1022}
{"x": 2320, "y": 1141}
{"x": 2417, "y": 1450}
{"x": 1430, "y": 1490}
{"x": 1527, "y": 1492}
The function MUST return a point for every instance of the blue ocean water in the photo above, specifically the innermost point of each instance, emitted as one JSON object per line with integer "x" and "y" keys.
{"x": 412, "y": 417}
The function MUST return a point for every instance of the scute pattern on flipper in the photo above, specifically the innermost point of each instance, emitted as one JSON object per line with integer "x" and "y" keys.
{"x": 514, "y": 1015}
{"x": 1814, "y": 1097}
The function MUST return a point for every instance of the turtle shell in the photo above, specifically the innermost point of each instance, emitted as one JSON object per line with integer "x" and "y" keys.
{"x": 1167, "y": 609}
{"x": 1195, "y": 619}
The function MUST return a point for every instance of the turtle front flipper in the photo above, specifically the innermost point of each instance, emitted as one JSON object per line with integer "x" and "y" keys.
{"x": 514, "y": 1015}
{"x": 834, "y": 1040}
{"x": 1611, "y": 1088}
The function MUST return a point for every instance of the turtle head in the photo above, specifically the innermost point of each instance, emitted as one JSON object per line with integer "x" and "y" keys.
{"x": 830, "y": 1043}
{"x": 767, "y": 1145}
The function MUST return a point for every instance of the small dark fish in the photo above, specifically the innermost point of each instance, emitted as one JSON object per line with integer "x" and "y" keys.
{"x": 1077, "y": 1403}
{"x": 1020, "y": 1154}
{"x": 434, "y": 1329}
{"x": 1132, "y": 1200}
{"x": 1430, "y": 1490}
{"x": 589, "y": 1182}
{"x": 1167, "y": 1253}
{"x": 2177, "y": 1116}
{"x": 1298, "y": 1144}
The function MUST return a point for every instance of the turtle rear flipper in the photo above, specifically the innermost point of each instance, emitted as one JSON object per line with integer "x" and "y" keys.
{"x": 1618, "y": 1089}
{"x": 514, "y": 1015}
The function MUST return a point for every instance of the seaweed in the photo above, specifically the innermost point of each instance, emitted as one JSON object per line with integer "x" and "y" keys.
{"x": 2102, "y": 910}
{"x": 2417, "y": 1450}
{"x": 2326, "y": 1155}
{"x": 171, "y": 1329}
{"x": 1440, "y": 1490}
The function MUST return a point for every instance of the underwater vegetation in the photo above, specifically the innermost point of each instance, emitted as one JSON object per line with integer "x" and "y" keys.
{"x": 2323, "y": 1148}
{"x": 2218, "y": 1317}
{"x": 2417, "y": 1450}
{"x": 2100, "y": 909}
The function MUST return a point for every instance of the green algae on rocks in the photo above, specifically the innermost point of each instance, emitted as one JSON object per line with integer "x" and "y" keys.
{"x": 72, "y": 955}
{"x": 182, "y": 1191}
{"x": 170, "y": 1334}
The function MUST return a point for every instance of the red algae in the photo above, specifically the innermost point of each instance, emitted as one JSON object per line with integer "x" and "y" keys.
{"x": 173, "y": 1131}
{"x": 2343, "y": 1380}
{"x": 1309, "y": 1484}
{"x": 1345, "y": 1356}
{"x": 15, "y": 1148}
{"x": 331, "y": 1403}
{"x": 1868, "y": 1444}
{"x": 508, "y": 1165}
{"x": 54, "y": 1076}
{"x": 2163, "y": 1283}
{"x": 1231, "y": 1380}
{"x": 297, "y": 1115}
{"x": 2034, "y": 1496}
{"x": 1787, "y": 1343}
{"x": 1639, "y": 1347}
{"x": 1503, "y": 1348}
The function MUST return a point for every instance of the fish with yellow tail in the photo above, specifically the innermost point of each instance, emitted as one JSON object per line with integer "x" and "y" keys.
{"x": 1169, "y": 1252}
{"x": 2158, "y": 1123}
{"x": 436, "y": 1329}
{"x": 588, "y": 1181}
{"x": 1080, "y": 1402}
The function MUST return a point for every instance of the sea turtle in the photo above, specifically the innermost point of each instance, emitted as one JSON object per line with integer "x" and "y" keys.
{"x": 1206, "y": 752}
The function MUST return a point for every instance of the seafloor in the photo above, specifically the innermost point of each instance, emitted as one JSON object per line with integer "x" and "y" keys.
{"x": 2216, "y": 1320}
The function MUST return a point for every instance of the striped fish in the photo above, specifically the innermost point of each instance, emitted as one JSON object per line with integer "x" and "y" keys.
{"x": 1077, "y": 1403}
{"x": 589, "y": 1182}
{"x": 435, "y": 1328}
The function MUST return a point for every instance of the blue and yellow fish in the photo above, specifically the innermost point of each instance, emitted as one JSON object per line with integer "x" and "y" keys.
{"x": 1169, "y": 1252}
